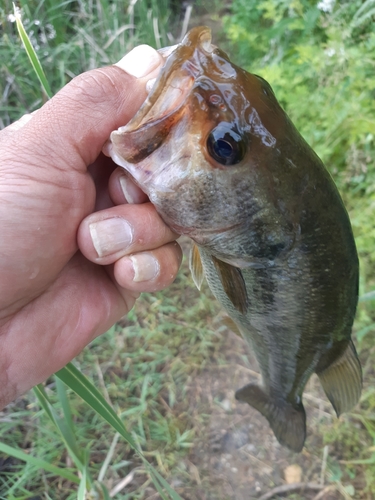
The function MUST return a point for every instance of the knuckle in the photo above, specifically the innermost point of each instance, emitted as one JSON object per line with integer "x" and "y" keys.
{"x": 91, "y": 89}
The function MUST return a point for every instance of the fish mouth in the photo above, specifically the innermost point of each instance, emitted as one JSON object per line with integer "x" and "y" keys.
{"x": 152, "y": 177}
{"x": 166, "y": 102}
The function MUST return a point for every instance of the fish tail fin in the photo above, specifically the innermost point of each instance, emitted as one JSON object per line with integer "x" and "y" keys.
{"x": 342, "y": 380}
{"x": 288, "y": 422}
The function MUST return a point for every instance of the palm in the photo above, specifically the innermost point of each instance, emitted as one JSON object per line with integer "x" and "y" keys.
{"x": 57, "y": 293}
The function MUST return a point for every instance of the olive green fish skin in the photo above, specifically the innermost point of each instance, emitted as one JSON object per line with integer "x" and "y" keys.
{"x": 276, "y": 214}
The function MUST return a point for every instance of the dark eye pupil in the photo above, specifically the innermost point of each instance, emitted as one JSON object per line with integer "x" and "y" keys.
{"x": 225, "y": 144}
{"x": 223, "y": 148}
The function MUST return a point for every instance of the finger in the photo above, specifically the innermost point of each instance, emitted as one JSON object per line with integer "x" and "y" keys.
{"x": 100, "y": 172}
{"x": 149, "y": 271}
{"x": 106, "y": 236}
{"x": 78, "y": 120}
{"x": 122, "y": 189}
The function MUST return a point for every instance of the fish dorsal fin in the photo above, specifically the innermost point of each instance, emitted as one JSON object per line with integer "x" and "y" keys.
{"x": 287, "y": 421}
{"x": 196, "y": 268}
{"x": 231, "y": 325}
{"x": 233, "y": 284}
{"x": 342, "y": 381}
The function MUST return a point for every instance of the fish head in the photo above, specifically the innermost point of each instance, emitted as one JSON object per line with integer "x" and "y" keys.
{"x": 199, "y": 146}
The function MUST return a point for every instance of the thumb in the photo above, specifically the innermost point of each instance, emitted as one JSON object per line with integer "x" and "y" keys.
{"x": 78, "y": 120}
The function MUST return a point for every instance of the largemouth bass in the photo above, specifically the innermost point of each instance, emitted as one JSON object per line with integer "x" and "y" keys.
{"x": 222, "y": 163}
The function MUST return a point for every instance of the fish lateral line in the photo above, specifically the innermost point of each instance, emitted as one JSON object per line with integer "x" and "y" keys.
{"x": 272, "y": 237}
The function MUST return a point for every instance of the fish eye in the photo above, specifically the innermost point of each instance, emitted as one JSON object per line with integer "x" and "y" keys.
{"x": 225, "y": 145}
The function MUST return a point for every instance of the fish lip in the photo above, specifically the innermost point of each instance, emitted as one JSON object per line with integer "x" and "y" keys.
{"x": 168, "y": 50}
{"x": 142, "y": 117}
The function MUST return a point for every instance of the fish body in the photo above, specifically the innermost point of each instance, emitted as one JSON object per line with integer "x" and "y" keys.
{"x": 222, "y": 163}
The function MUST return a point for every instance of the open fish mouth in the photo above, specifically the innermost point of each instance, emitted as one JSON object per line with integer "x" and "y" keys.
{"x": 161, "y": 111}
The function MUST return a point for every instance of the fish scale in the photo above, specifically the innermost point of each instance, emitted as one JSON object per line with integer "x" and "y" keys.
{"x": 222, "y": 163}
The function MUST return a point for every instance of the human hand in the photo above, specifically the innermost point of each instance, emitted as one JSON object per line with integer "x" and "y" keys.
{"x": 69, "y": 272}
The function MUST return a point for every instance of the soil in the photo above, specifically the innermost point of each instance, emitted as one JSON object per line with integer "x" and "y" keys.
{"x": 235, "y": 455}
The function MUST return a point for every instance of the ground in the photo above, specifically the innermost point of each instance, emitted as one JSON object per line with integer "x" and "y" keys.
{"x": 236, "y": 455}
{"x": 233, "y": 453}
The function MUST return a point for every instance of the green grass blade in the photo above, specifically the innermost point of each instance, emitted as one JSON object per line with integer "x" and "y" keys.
{"x": 32, "y": 54}
{"x": 108, "y": 458}
{"x": 58, "y": 471}
{"x": 105, "y": 492}
{"x": 64, "y": 402}
{"x": 82, "y": 487}
{"x": 174, "y": 495}
{"x": 155, "y": 480}
{"x": 74, "y": 379}
{"x": 40, "y": 394}
{"x": 64, "y": 430}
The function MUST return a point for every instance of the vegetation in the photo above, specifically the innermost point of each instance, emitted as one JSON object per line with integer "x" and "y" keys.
{"x": 318, "y": 57}
{"x": 71, "y": 37}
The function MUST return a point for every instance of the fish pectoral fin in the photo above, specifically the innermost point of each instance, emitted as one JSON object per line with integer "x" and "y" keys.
{"x": 196, "y": 268}
{"x": 231, "y": 325}
{"x": 288, "y": 422}
{"x": 342, "y": 381}
{"x": 233, "y": 283}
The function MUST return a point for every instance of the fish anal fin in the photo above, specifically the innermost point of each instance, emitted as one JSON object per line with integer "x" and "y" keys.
{"x": 233, "y": 284}
{"x": 287, "y": 421}
{"x": 342, "y": 381}
{"x": 196, "y": 268}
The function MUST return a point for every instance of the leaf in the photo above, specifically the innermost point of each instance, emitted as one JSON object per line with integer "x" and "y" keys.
{"x": 42, "y": 464}
{"x": 74, "y": 379}
{"x": 82, "y": 490}
{"x": 64, "y": 402}
{"x": 108, "y": 458}
{"x": 31, "y": 53}
{"x": 61, "y": 426}
{"x": 104, "y": 492}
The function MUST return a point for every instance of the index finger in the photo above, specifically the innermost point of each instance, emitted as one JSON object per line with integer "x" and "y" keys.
{"x": 78, "y": 120}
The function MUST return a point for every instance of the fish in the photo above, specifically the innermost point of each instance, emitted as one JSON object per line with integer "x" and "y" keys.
{"x": 223, "y": 164}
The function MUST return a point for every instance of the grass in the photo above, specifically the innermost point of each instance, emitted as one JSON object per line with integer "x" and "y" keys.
{"x": 143, "y": 367}
{"x": 71, "y": 37}
{"x": 145, "y": 415}
{"x": 323, "y": 72}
